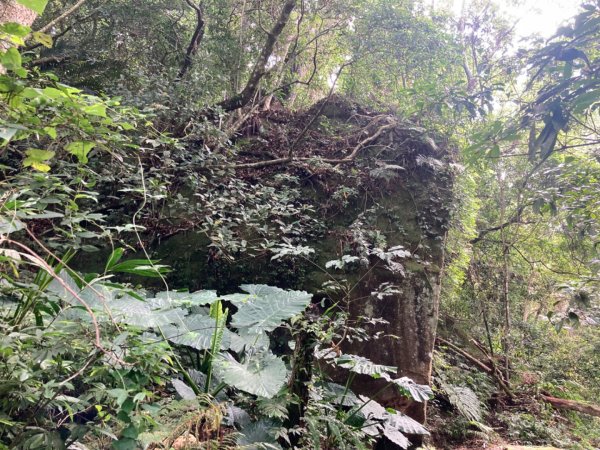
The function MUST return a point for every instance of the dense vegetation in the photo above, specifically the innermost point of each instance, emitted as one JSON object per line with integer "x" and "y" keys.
{"x": 220, "y": 220}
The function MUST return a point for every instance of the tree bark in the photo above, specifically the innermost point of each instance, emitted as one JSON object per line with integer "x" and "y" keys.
{"x": 260, "y": 68}
{"x": 194, "y": 42}
{"x": 572, "y": 405}
{"x": 11, "y": 11}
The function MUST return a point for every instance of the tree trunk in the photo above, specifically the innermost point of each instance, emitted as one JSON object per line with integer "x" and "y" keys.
{"x": 11, "y": 11}
{"x": 260, "y": 68}
{"x": 572, "y": 405}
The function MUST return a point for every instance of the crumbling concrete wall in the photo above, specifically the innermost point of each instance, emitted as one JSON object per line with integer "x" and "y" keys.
{"x": 404, "y": 181}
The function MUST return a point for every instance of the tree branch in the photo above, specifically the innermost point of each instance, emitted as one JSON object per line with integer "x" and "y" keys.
{"x": 194, "y": 42}
{"x": 572, "y": 405}
{"x": 63, "y": 16}
{"x": 260, "y": 70}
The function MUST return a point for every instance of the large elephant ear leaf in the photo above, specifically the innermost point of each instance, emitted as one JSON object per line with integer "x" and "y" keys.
{"x": 264, "y": 308}
{"x": 418, "y": 392}
{"x": 133, "y": 311}
{"x": 259, "y": 435}
{"x": 195, "y": 331}
{"x": 175, "y": 298}
{"x": 261, "y": 374}
{"x": 364, "y": 366}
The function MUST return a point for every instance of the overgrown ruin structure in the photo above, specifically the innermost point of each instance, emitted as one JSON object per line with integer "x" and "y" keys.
{"x": 381, "y": 190}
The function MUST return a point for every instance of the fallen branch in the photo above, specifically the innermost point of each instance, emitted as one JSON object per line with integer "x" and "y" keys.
{"x": 572, "y": 405}
{"x": 492, "y": 371}
{"x": 348, "y": 159}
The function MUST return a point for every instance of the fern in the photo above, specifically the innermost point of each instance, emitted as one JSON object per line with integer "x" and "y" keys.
{"x": 275, "y": 408}
{"x": 464, "y": 400}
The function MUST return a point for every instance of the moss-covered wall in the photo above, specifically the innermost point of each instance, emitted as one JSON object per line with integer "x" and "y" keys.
{"x": 403, "y": 184}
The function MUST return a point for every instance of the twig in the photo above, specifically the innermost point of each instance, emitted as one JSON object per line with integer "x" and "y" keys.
{"x": 64, "y": 15}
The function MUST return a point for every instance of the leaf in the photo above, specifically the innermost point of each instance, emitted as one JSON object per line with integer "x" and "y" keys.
{"x": 362, "y": 365}
{"x": 35, "y": 5}
{"x": 42, "y": 38}
{"x": 266, "y": 307}
{"x": 370, "y": 409}
{"x": 261, "y": 374}
{"x": 141, "y": 267}
{"x": 15, "y": 29}
{"x": 7, "y": 132}
{"x": 38, "y": 159}
{"x": 338, "y": 395}
{"x": 406, "y": 424}
{"x": 97, "y": 109}
{"x": 11, "y": 59}
{"x": 394, "y": 435}
{"x": 418, "y": 392}
{"x": 259, "y": 435}
{"x": 244, "y": 341}
{"x": 80, "y": 149}
{"x": 143, "y": 314}
{"x": 184, "y": 391}
{"x": 465, "y": 400}
{"x": 195, "y": 331}
{"x": 198, "y": 298}
{"x": 114, "y": 258}
{"x": 237, "y": 416}
{"x": 10, "y": 225}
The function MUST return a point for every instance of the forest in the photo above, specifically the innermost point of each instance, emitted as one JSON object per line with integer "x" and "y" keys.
{"x": 299, "y": 224}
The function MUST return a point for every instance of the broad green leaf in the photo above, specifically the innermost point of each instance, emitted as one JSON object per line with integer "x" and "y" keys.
{"x": 80, "y": 149}
{"x": 51, "y": 131}
{"x": 38, "y": 159}
{"x": 259, "y": 435}
{"x": 35, "y": 5}
{"x": 338, "y": 394}
{"x": 195, "y": 331}
{"x": 11, "y": 59}
{"x": 141, "y": 267}
{"x": 142, "y": 313}
{"x": 418, "y": 392}
{"x": 7, "y": 132}
{"x": 15, "y": 29}
{"x": 266, "y": 307}
{"x": 243, "y": 341}
{"x": 39, "y": 155}
{"x": 262, "y": 374}
{"x": 362, "y": 365}
{"x": 394, "y": 435}
{"x": 10, "y": 225}
{"x": 42, "y": 38}
{"x": 184, "y": 391}
{"x": 406, "y": 424}
{"x": 37, "y": 165}
{"x": 114, "y": 258}
{"x": 176, "y": 298}
{"x": 97, "y": 109}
